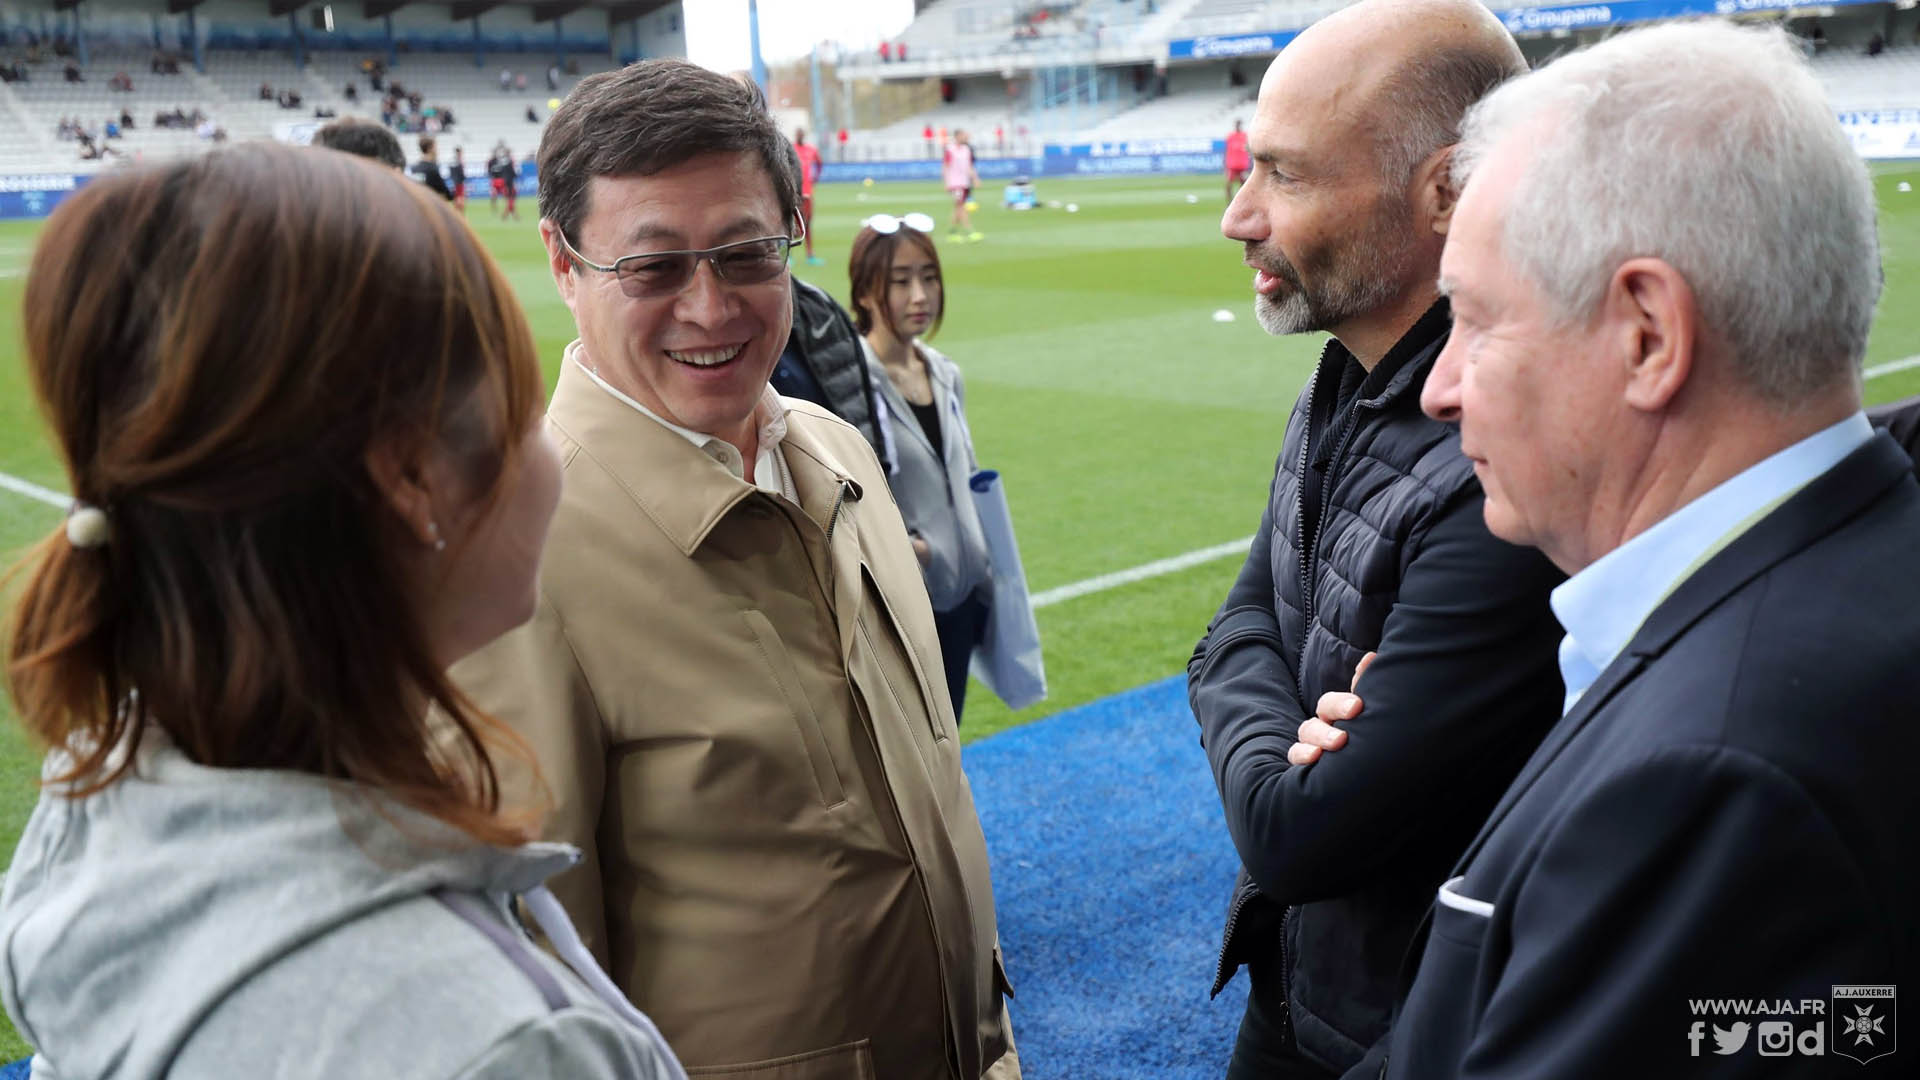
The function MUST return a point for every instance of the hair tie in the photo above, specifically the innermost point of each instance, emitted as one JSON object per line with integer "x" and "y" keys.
{"x": 88, "y": 527}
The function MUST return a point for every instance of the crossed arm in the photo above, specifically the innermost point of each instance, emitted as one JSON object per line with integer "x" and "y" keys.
{"x": 1464, "y": 684}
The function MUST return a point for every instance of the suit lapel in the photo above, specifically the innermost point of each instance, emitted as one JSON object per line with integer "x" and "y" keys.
{"x": 1816, "y": 510}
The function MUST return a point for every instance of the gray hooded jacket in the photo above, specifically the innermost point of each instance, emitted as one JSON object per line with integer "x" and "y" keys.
{"x": 198, "y": 922}
{"x": 930, "y": 483}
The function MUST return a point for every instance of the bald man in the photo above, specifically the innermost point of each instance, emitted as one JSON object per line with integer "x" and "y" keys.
{"x": 1372, "y": 543}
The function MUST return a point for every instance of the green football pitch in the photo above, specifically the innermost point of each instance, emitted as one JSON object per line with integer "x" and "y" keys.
{"x": 1130, "y": 425}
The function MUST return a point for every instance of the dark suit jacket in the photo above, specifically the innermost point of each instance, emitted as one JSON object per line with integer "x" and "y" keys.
{"x": 1902, "y": 421}
{"x": 1732, "y": 810}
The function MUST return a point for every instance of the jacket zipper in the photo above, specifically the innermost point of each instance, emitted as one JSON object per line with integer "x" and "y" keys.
{"x": 1308, "y": 555}
{"x": 1226, "y": 940}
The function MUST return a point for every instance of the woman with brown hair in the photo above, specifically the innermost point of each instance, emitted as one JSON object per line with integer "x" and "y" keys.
{"x": 898, "y": 297}
{"x": 300, "y": 412}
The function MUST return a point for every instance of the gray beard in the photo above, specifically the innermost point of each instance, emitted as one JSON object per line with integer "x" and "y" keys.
{"x": 1363, "y": 279}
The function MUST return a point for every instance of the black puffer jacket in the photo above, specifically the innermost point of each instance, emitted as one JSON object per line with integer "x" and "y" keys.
{"x": 823, "y": 363}
{"x": 1372, "y": 541}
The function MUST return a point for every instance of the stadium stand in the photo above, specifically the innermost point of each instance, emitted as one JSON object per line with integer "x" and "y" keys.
{"x": 1024, "y": 73}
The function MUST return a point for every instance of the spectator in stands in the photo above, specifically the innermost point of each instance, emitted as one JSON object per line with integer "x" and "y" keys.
{"x": 232, "y": 643}
{"x": 266, "y": 92}
{"x": 352, "y": 92}
{"x": 808, "y": 160}
{"x": 73, "y": 74}
{"x": 900, "y": 52}
{"x": 532, "y": 116}
{"x": 961, "y": 177}
{"x": 770, "y": 900}
{"x": 899, "y": 297}
{"x": 1372, "y": 540}
{"x": 841, "y": 138}
{"x": 1657, "y": 399}
{"x": 121, "y": 83}
{"x": 363, "y": 139}
{"x": 427, "y": 169}
{"x": 886, "y": 52}
{"x": 506, "y": 79}
{"x": 126, "y": 120}
{"x": 1237, "y": 161}
{"x": 553, "y": 76}
{"x": 519, "y": 80}
{"x": 111, "y": 129}
{"x": 457, "y": 180}
{"x": 1876, "y": 44}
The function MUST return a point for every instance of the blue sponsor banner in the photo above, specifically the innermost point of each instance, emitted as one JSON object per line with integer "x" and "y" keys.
{"x": 881, "y": 171}
{"x": 1138, "y": 156}
{"x": 1264, "y": 43}
{"x": 1536, "y": 20}
{"x": 35, "y": 196}
{"x": 1531, "y": 20}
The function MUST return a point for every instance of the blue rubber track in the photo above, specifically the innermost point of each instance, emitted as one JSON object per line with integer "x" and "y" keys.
{"x": 1111, "y": 872}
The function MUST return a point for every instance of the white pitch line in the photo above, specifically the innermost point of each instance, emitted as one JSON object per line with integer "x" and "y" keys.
{"x": 1143, "y": 572}
{"x": 1892, "y": 366}
{"x": 1177, "y": 563}
{"x": 34, "y": 491}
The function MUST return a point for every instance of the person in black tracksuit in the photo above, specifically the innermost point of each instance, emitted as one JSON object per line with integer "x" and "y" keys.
{"x": 1372, "y": 542}
{"x": 427, "y": 169}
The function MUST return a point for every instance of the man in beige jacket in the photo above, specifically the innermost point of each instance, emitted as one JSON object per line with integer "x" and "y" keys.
{"x": 732, "y": 685}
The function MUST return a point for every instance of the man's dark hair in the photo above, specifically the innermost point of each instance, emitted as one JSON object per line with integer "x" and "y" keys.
{"x": 362, "y": 139}
{"x": 1430, "y": 96}
{"x": 649, "y": 117}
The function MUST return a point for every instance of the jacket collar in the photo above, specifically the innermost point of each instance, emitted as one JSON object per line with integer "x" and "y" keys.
{"x": 674, "y": 483}
{"x": 1823, "y": 506}
{"x": 1405, "y": 364}
{"x": 937, "y": 378}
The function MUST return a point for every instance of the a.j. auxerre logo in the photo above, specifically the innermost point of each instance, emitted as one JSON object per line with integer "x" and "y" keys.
{"x": 1863, "y": 1022}
{"x": 1855, "y": 1022}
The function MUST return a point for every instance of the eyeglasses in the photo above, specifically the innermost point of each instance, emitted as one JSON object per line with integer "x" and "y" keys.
{"x": 887, "y": 224}
{"x": 659, "y": 274}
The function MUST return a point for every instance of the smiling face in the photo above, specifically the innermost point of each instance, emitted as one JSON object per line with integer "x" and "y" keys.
{"x": 700, "y": 358}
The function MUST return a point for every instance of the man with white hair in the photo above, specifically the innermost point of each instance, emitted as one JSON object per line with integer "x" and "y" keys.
{"x": 1663, "y": 269}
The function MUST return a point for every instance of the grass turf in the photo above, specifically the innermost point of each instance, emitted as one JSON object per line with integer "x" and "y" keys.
{"x": 1130, "y": 426}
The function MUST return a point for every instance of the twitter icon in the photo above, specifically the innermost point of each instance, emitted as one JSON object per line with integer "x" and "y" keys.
{"x": 1730, "y": 1040}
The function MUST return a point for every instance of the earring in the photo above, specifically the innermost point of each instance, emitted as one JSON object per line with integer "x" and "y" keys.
{"x": 439, "y": 542}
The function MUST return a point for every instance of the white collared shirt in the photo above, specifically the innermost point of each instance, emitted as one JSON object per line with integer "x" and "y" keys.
{"x": 770, "y": 473}
{"x": 1602, "y": 606}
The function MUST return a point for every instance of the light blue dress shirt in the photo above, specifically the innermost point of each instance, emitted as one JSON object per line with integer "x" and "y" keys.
{"x": 1602, "y": 606}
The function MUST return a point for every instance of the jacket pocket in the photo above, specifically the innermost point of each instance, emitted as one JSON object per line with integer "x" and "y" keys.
{"x": 851, "y": 1061}
{"x": 931, "y": 693}
{"x": 1459, "y": 918}
{"x": 806, "y": 722}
